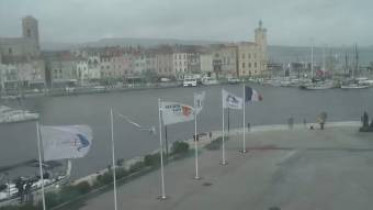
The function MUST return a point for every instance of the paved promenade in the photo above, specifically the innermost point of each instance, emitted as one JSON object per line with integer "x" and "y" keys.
{"x": 291, "y": 169}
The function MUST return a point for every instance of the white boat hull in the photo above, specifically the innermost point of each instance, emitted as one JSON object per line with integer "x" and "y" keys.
{"x": 9, "y": 115}
{"x": 355, "y": 87}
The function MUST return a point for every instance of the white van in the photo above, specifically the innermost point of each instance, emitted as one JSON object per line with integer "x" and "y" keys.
{"x": 190, "y": 82}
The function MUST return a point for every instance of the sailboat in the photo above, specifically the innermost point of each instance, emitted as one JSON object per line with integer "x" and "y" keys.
{"x": 9, "y": 115}
{"x": 353, "y": 83}
{"x": 316, "y": 85}
{"x": 10, "y": 191}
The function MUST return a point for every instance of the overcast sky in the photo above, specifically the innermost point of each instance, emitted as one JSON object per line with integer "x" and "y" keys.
{"x": 289, "y": 22}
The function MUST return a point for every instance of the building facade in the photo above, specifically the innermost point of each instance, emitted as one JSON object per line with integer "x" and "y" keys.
{"x": 206, "y": 63}
{"x": 27, "y": 45}
{"x": 181, "y": 63}
{"x": 225, "y": 60}
{"x": 252, "y": 56}
{"x": 165, "y": 64}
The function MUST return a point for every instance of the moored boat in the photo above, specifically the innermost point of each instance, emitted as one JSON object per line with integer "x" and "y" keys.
{"x": 9, "y": 115}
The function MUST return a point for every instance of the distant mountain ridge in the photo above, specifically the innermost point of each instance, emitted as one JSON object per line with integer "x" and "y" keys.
{"x": 110, "y": 42}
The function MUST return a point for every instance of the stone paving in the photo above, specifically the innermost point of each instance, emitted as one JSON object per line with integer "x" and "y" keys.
{"x": 290, "y": 169}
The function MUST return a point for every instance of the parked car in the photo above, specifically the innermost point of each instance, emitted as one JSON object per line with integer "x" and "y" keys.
{"x": 190, "y": 82}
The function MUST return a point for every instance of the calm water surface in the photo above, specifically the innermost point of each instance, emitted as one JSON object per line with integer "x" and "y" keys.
{"x": 18, "y": 141}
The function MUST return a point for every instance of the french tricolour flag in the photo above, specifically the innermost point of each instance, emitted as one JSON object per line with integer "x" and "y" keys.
{"x": 252, "y": 95}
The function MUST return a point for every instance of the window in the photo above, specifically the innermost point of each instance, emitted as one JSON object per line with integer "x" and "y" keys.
{"x": 255, "y": 64}
{"x": 10, "y": 51}
{"x": 249, "y": 55}
{"x": 243, "y": 65}
{"x": 249, "y": 65}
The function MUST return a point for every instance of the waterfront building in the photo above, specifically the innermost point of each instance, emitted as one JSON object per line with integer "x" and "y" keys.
{"x": 89, "y": 70}
{"x": 139, "y": 65}
{"x": 26, "y": 74}
{"x": 61, "y": 69}
{"x": 122, "y": 64}
{"x": 252, "y": 56}
{"x": 27, "y": 45}
{"x": 225, "y": 60}
{"x": 107, "y": 70}
{"x": 151, "y": 63}
{"x": 195, "y": 63}
{"x": 164, "y": 66}
{"x": 206, "y": 63}
{"x": 181, "y": 61}
{"x": 8, "y": 77}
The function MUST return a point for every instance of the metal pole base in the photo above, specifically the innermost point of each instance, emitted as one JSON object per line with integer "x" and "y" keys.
{"x": 161, "y": 198}
{"x": 197, "y": 178}
{"x": 244, "y": 151}
{"x": 223, "y": 163}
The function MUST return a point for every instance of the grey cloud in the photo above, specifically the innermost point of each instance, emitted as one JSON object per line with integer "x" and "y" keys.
{"x": 290, "y": 22}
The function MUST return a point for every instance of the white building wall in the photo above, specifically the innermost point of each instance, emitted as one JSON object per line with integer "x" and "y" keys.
{"x": 181, "y": 63}
{"x": 206, "y": 63}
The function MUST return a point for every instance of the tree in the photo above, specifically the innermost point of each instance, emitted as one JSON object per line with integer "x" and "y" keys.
{"x": 179, "y": 147}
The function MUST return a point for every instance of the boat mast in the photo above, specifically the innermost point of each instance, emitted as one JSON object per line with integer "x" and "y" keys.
{"x": 347, "y": 71}
{"x": 323, "y": 58}
{"x": 312, "y": 69}
{"x": 356, "y": 60}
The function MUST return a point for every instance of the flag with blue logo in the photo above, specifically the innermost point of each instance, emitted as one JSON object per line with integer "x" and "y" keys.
{"x": 65, "y": 142}
{"x": 231, "y": 101}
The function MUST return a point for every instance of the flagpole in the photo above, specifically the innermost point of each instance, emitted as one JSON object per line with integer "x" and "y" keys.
{"x": 40, "y": 163}
{"x": 223, "y": 141}
{"x": 113, "y": 156}
{"x": 195, "y": 144}
{"x": 243, "y": 120}
{"x": 163, "y": 193}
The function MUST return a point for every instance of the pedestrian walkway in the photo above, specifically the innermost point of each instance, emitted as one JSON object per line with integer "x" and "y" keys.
{"x": 292, "y": 169}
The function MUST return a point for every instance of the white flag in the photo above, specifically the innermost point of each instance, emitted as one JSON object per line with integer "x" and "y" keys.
{"x": 65, "y": 142}
{"x": 174, "y": 112}
{"x": 231, "y": 101}
{"x": 199, "y": 99}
